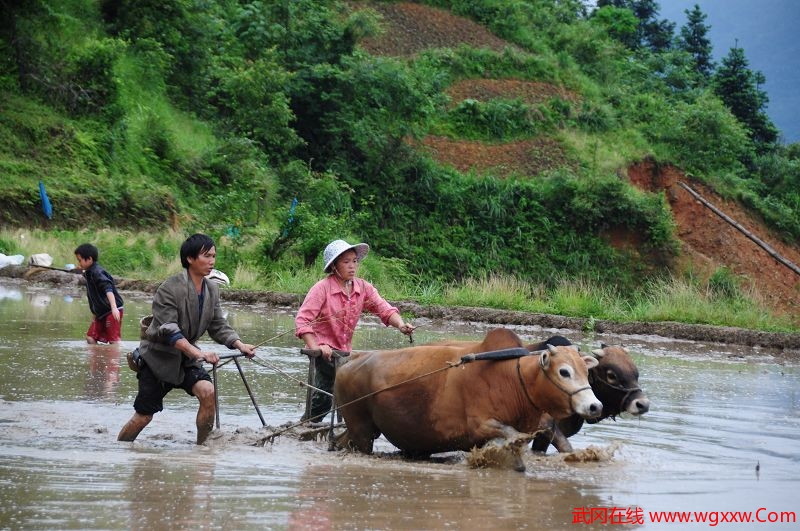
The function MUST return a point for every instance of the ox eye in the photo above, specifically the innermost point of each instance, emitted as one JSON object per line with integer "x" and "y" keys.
{"x": 611, "y": 376}
{"x": 564, "y": 372}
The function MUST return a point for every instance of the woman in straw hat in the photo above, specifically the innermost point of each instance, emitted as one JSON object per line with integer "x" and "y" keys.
{"x": 331, "y": 310}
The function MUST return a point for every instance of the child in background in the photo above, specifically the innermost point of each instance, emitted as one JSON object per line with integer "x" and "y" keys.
{"x": 104, "y": 299}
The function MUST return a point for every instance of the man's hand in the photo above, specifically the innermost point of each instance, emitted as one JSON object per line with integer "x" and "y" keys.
{"x": 209, "y": 357}
{"x": 245, "y": 348}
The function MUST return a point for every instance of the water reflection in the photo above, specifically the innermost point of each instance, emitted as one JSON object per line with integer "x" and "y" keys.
{"x": 102, "y": 377}
{"x": 170, "y": 493}
{"x": 716, "y": 413}
{"x": 10, "y": 293}
{"x": 407, "y": 495}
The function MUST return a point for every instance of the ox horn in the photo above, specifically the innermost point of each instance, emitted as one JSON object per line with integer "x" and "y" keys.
{"x": 599, "y": 352}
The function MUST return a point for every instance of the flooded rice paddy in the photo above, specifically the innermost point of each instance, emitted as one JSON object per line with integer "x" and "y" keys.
{"x": 721, "y": 441}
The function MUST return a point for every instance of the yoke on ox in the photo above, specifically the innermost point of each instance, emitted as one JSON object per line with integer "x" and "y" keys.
{"x": 421, "y": 409}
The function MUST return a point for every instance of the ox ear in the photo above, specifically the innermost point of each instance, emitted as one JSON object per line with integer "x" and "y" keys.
{"x": 544, "y": 358}
{"x": 599, "y": 352}
{"x": 591, "y": 362}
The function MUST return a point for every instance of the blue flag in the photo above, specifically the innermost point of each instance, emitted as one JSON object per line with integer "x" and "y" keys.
{"x": 291, "y": 218}
{"x": 47, "y": 208}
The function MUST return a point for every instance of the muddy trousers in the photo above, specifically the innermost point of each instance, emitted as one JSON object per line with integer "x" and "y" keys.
{"x": 324, "y": 375}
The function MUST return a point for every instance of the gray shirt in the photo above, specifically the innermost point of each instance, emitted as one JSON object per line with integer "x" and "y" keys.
{"x": 176, "y": 309}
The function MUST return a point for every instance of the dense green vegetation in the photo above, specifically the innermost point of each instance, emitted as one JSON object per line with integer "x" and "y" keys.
{"x": 216, "y": 115}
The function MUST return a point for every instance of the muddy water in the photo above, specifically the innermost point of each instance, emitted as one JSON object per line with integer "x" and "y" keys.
{"x": 721, "y": 436}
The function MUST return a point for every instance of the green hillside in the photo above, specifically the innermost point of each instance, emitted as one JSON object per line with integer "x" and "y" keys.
{"x": 278, "y": 126}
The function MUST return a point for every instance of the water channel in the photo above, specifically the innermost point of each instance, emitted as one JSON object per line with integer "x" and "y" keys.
{"x": 721, "y": 440}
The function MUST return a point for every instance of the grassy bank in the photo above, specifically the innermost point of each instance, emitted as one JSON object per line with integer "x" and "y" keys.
{"x": 721, "y": 301}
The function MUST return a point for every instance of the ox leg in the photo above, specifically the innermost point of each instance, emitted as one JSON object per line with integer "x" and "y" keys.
{"x": 544, "y": 434}
{"x": 494, "y": 429}
{"x": 356, "y": 439}
{"x": 561, "y": 442}
{"x": 556, "y": 433}
{"x": 545, "y": 437}
{"x": 361, "y": 431}
{"x": 564, "y": 429}
{"x": 541, "y": 440}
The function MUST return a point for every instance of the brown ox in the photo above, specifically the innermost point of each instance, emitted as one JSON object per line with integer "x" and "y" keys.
{"x": 615, "y": 381}
{"x": 425, "y": 402}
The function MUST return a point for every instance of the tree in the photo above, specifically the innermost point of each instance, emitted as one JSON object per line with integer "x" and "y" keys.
{"x": 621, "y": 24}
{"x": 694, "y": 41}
{"x": 738, "y": 87}
{"x": 187, "y": 31}
{"x": 652, "y": 33}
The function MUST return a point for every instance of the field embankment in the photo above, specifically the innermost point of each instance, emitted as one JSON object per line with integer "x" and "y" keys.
{"x": 704, "y": 333}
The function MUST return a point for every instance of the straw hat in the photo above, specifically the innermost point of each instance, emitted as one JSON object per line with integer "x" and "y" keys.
{"x": 337, "y": 247}
{"x": 219, "y": 277}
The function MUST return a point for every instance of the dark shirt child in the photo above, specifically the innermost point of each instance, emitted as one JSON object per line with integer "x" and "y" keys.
{"x": 105, "y": 301}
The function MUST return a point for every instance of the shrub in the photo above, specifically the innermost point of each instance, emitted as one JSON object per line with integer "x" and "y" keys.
{"x": 704, "y": 137}
{"x": 496, "y": 119}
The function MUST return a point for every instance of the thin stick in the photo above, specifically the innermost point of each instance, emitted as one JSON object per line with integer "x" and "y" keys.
{"x": 755, "y": 239}
{"x": 216, "y": 395}
{"x": 249, "y": 391}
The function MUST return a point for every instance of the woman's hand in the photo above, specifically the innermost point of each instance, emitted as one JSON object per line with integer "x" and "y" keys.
{"x": 327, "y": 352}
{"x": 406, "y": 328}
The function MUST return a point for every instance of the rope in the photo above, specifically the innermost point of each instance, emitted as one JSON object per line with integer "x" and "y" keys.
{"x": 525, "y": 389}
{"x": 449, "y": 365}
{"x": 627, "y": 390}
{"x": 262, "y": 362}
{"x": 312, "y": 322}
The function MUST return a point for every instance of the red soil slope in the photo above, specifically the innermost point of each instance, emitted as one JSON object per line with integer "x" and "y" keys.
{"x": 709, "y": 242}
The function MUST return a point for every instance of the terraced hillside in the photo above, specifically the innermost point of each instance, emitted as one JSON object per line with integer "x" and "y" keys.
{"x": 708, "y": 242}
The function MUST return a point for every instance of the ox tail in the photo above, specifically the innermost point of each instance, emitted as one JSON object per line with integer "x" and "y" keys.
{"x": 497, "y": 355}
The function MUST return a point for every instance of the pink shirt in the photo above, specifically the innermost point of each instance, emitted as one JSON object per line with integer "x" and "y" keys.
{"x": 332, "y": 316}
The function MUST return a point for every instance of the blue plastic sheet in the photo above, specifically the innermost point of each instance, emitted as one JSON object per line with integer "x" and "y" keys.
{"x": 47, "y": 208}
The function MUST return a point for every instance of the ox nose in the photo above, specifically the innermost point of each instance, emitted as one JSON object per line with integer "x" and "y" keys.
{"x": 589, "y": 407}
{"x": 640, "y": 406}
{"x": 595, "y": 409}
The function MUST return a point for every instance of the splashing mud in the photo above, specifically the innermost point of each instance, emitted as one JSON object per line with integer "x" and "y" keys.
{"x": 591, "y": 453}
{"x": 501, "y": 455}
